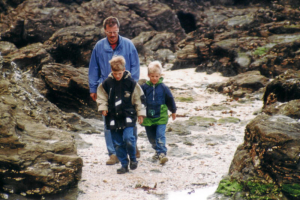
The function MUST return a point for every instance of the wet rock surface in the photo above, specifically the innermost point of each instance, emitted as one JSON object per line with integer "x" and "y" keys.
{"x": 38, "y": 154}
{"x": 266, "y": 164}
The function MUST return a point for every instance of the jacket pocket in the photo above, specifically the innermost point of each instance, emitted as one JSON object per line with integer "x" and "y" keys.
{"x": 130, "y": 117}
{"x": 153, "y": 111}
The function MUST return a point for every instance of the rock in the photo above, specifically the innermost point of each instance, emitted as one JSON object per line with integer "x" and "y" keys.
{"x": 268, "y": 158}
{"x": 178, "y": 129}
{"x": 153, "y": 10}
{"x": 37, "y": 151}
{"x": 7, "y": 48}
{"x": 290, "y": 109}
{"x": 31, "y": 57}
{"x": 283, "y": 88}
{"x": 74, "y": 44}
{"x": 36, "y": 159}
{"x": 69, "y": 88}
{"x": 271, "y": 144}
{"x": 242, "y": 84}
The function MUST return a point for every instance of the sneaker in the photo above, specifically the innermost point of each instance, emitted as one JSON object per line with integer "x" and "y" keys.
{"x": 122, "y": 170}
{"x": 155, "y": 157}
{"x": 133, "y": 165}
{"x": 112, "y": 160}
{"x": 162, "y": 158}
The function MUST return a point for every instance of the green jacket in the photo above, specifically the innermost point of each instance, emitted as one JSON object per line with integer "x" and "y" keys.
{"x": 159, "y": 100}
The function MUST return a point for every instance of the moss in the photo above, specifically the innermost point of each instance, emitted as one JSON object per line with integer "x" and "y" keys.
{"x": 292, "y": 189}
{"x": 254, "y": 190}
{"x": 228, "y": 187}
{"x": 293, "y": 26}
{"x": 198, "y": 119}
{"x": 261, "y": 50}
{"x": 185, "y": 99}
{"x": 217, "y": 108}
{"x": 257, "y": 189}
{"x": 225, "y": 120}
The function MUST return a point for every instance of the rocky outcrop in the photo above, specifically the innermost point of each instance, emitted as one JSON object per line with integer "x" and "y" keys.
{"x": 37, "y": 150}
{"x": 240, "y": 40}
{"x": 68, "y": 88}
{"x": 266, "y": 165}
{"x": 283, "y": 89}
{"x": 242, "y": 85}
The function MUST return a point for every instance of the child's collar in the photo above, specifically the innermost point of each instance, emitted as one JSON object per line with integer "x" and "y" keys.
{"x": 159, "y": 82}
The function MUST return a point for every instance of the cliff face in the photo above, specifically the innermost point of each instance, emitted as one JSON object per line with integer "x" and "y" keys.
{"x": 51, "y": 42}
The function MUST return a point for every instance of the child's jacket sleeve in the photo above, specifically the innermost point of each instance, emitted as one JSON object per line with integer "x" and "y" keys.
{"x": 102, "y": 98}
{"x": 139, "y": 100}
{"x": 170, "y": 102}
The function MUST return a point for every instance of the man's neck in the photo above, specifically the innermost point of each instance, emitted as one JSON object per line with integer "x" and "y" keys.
{"x": 114, "y": 45}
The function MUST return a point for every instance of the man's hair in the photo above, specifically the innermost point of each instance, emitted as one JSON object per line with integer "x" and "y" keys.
{"x": 117, "y": 63}
{"x": 155, "y": 67}
{"x": 111, "y": 21}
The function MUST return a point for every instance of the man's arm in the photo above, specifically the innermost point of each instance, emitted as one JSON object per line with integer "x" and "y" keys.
{"x": 134, "y": 64}
{"x": 170, "y": 102}
{"x": 94, "y": 74}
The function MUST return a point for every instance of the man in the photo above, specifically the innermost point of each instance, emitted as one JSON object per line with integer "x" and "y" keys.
{"x": 99, "y": 69}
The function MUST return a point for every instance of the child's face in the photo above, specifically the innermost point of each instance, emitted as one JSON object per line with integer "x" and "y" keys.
{"x": 118, "y": 74}
{"x": 154, "y": 77}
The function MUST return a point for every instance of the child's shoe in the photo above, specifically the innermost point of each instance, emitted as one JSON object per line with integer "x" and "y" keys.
{"x": 122, "y": 170}
{"x": 162, "y": 158}
{"x": 155, "y": 157}
{"x": 133, "y": 165}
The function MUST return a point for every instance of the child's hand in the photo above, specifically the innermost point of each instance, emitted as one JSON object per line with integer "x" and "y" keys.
{"x": 173, "y": 116}
{"x": 104, "y": 112}
{"x": 140, "y": 119}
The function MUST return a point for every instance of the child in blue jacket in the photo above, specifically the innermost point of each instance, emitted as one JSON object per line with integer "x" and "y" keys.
{"x": 159, "y": 100}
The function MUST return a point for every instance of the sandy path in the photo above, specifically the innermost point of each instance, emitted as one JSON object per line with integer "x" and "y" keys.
{"x": 205, "y": 164}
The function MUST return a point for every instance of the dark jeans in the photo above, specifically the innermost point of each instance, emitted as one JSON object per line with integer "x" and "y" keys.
{"x": 125, "y": 144}
{"x": 157, "y": 138}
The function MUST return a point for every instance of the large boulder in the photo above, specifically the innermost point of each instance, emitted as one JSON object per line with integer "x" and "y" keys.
{"x": 68, "y": 88}
{"x": 266, "y": 165}
{"x": 241, "y": 85}
{"x": 74, "y": 44}
{"x": 37, "y": 152}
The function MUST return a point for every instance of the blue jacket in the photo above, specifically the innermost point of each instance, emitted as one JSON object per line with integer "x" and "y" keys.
{"x": 159, "y": 100}
{"x": 99, "y": 67}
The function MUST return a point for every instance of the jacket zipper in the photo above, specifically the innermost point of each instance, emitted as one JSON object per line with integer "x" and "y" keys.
{"x": 109, "y": 93}
{"x": 153, "y": 91}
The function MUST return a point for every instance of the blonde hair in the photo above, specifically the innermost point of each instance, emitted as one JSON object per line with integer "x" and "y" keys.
{"x": 155, "y": 67}
{"x": 117, "y": 63}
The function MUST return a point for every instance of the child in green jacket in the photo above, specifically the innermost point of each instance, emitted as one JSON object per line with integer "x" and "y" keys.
{"x": 159, "y": 100}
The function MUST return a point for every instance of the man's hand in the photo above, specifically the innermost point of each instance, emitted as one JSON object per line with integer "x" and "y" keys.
{"x": 104, "y": 112}
{"x": 140, "y": 119}
{"x": 93, "y": 96}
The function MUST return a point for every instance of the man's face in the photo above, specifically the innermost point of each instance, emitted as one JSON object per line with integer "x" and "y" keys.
{"x": 112, "y": 33}
{"x": 118, "y": 74}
